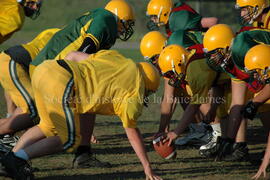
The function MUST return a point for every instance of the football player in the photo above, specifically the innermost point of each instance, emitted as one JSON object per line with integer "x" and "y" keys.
{"x": 179, "y": 16}
{"x": 227, "y": 53}
{"x": 102, "y": 83}
{"x": 257, "y": 64}
{"x": 179, "y": 66}
{"x": 193, "y": 40}
{"x": 254, "y": 12}
{"x": 151, "y": 46}
{"x": 95, "y": 30}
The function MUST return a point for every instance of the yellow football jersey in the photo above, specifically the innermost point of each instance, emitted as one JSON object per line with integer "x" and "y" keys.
{"x": 11, "y": 18}
{"x": 35, "y": 46}
{"x": 265, "y": 24}
{"x": 108, "y": 83}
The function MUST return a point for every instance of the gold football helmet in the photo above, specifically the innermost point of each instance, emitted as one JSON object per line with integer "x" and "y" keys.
{"x": 125, "y": 16}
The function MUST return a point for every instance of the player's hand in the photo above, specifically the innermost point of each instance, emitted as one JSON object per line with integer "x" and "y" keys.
{"x": 171, "y": 136}
{"x": 152, "y": 176}
{"x": 94, "y": 140}
{"x": 250, "y": 109}
{"x": 262, "y": 169}
{"x": 158, "y": 134}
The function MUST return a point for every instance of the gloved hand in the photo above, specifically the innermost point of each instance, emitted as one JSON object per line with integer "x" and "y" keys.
{"x": 250, "y": 109}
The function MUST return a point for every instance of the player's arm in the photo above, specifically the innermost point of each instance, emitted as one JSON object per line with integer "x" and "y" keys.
{"x": 207, "y": 22}
{"x": 265, "y": 162}
{"x": 167, "y": 107}
{"x": 136, "y": 141}
{"x": 187, "y": 118}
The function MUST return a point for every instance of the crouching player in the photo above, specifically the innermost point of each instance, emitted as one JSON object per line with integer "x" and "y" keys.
{"x": 227, "y": 52}
{"x": 257, "y": 64}
{"x": 103, "y": 83}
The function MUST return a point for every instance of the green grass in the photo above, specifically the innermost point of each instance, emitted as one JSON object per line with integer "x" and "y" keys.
{"x": 115, "y": 148}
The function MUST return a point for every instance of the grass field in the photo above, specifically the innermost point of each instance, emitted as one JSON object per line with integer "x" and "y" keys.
{"x": 115, "y": 148}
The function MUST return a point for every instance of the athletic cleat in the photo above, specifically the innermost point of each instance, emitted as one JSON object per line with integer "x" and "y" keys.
{"x": 198, "y": 135}
{"x": 3, "y": 150}
{"x": 87, "y": 160}
{"x": 224, "y": 147}
{"x": 208, "y": 150}
{"x": 9, "y": 141}
{"x": 17, "y": 168}
{"x": 240, "y": 153}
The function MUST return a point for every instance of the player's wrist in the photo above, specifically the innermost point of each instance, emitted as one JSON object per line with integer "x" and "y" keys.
{"x": 147, "y": 167}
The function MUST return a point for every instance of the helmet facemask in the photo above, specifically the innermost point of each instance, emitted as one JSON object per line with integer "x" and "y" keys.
{"x": 261, "y": 75}
{"x": 219, "y": 59}
{"x": 176, "y": 79}
{"x": 29, "y": 11}
{"x": 126, "y": 30}
{"x": 252, "y": 14}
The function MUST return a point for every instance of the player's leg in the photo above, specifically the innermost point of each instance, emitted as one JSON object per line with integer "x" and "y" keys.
{"x": 59, "y": 128}
{"x": 10, "y": 105}
{"x": 16, "y": 82}
{"x": 236, "y": 131}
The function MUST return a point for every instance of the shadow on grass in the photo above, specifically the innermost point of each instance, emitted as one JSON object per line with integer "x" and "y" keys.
{"x": 256, "y": 135}
{"x": 218, "y": 169}
{"x": 104, "y": 176}
{"x": 113, "y": 150}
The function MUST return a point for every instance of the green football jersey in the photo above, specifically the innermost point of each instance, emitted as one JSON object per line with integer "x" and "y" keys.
{"x": 185, "y": 38}
{"x": 246, "y": 40}
{"x": 100, "y": 25}
{"x": 184, "y": 17}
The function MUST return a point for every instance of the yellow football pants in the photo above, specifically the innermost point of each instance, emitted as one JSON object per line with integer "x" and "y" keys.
{"x": 53, "y": 88}
{"x": 16, "y": 82}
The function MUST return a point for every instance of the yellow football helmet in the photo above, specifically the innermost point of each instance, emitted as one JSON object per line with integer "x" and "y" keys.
{"x": 173, "y": 58}
{"x": 31, "y": 7}
{"x": 254, "y": 8}
{"x": 218, "y": 36}
{"x": 257, "y": 61}
{"x": 125, "y": 17}
{"x": 161, "y": 9}
{"x": 217, "y": 41}
{"x": 172, "y": 63}
{"x": 152, "y": 44}
{"x": 150, "y": 75}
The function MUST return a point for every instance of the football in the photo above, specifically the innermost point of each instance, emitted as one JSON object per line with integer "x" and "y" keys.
{"x": 162, "y": 148}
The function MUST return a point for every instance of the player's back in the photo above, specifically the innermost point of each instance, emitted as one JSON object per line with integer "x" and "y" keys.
{"x": 105, "y": 81}
{"x": 71, "y": 37}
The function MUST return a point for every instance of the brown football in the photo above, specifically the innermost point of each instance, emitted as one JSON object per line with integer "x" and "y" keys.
{"x": 162, "y": 148}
